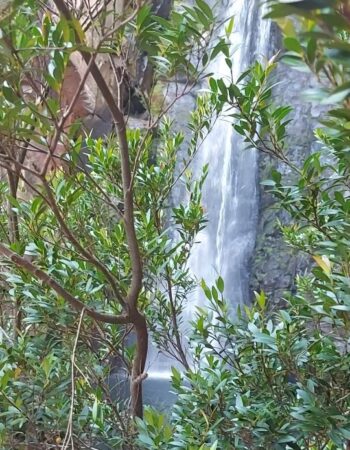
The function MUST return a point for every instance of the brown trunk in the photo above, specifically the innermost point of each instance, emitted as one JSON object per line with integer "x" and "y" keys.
{"x": 138, "y": 375}
{"x": 136, "y": 318}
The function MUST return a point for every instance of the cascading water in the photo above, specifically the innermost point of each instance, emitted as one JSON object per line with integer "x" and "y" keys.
{"x": 230, "y": 197}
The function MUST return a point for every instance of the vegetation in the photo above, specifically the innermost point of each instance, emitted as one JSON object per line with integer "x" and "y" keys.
{"x": 280, "y": 379}
{"x": 90, "y": 263}
{"x": 91, "y": 237}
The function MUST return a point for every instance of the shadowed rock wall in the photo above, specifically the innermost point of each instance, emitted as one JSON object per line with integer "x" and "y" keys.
{"x": 274, "y": 264}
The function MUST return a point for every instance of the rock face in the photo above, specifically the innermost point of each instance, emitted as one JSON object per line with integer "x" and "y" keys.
{"x": 274, "y": 264}
{"x": 128, "y": 75}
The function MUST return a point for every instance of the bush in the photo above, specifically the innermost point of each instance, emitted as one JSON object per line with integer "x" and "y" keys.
{"x": 278, "y": 380}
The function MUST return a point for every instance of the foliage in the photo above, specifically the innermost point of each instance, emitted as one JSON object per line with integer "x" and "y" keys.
{"x": 281, "y": 380}
{"x": 50, "y": 326}
{"x": 64, "y": 376}
{"x": 257, "y": 379}
{"x": 261, "y": 381}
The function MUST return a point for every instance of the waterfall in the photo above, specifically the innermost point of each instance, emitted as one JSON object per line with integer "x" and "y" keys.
{"x": 230, "y": 196}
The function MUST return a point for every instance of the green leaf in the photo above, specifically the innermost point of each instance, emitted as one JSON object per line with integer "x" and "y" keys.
{"x": 213, "y": 85}
{"x": 94, "y": 411}
{"x": 285, "y": 316}
{"x": 338, "y": 95}
{"x": 324, "y": 263}
{"x": 260, "y": 298}
{"x": 205, "y": 9}
{"x": 267, "y": 339}
{"x": 229, "y": 27}
{"x": 220, "y": 47}
{"x": 311, "y": 50}
{"x": 220, "y": 285}
{"x": 206, "y": 290}
{"x": 9, "y": 95}
{"x": 286, "y": 439}
{"x": 146, "y": 439}
{"x": 293, "y": 44}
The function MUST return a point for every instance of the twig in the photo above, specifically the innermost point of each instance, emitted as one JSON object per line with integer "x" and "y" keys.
{"x": 65, "y": 115}
{"x": 68, "y": 436}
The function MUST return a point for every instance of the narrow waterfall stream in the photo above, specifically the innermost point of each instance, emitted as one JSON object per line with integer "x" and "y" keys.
{"x": 230, "y": 195}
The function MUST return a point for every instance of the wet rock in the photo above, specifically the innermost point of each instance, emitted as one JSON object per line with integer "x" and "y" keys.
{"x": 275, "y": 265}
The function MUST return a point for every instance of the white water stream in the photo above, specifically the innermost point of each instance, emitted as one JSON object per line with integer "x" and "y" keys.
{"x": 231, "y": 194}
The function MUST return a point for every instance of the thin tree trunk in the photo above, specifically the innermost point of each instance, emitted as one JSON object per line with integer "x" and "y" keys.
{"x": 14, "y": 237}
{"x": 138, "y": 374}
{"x": 136, "y": 318}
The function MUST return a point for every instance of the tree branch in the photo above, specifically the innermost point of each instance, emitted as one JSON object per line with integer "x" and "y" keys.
{"x": 78, "y": 305}
{"x": 118, "y": 117}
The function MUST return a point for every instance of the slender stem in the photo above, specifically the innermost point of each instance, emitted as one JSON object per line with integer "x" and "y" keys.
{"x": 14, "y": 237}
{"x": 69, "y": 432}
{"x": 175, "y": 323}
